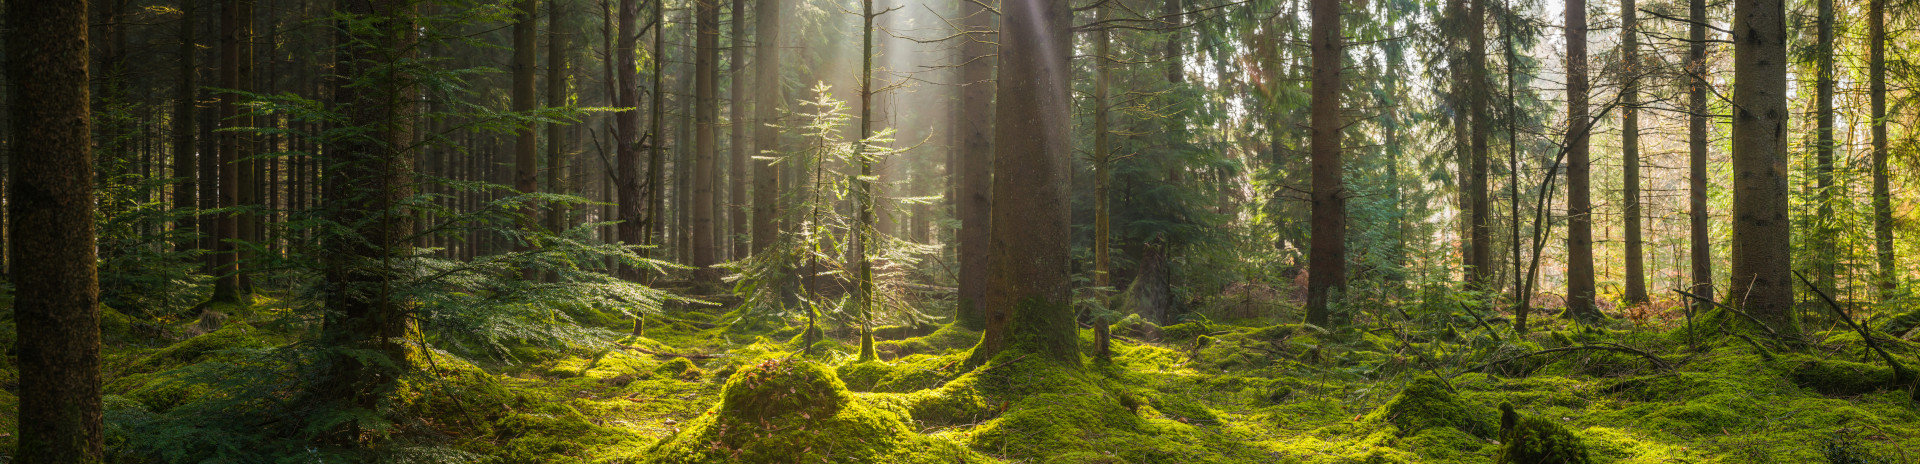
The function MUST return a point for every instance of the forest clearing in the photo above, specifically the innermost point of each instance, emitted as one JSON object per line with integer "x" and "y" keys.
{"x": 959, "y": 231}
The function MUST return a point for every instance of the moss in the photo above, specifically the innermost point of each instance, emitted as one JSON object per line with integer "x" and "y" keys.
{"x": 946, "y": 340}
{"x": 1184, "y": 331}
{"x": 1134, "y": 326}
{"x": 1839, "y": 378}
{"x": 917, "y": 372}
{"x": 679, "y": 368}
{"x": 1535, "y": 440}
{"x": 788, "y": 410}
{"x": 1426, "y": 403}
{"x": 233, "y": 336}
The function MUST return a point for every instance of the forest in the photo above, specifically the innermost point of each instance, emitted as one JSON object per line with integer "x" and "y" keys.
{"x": 959, "y": 231}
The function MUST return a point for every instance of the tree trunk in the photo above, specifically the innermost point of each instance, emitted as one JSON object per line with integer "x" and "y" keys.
{"x": 184, "y": 125}
{"x": 1480, "y": 214}
{"x": 1885, "y": 278}
{"x": 559, "y": 30}
{"x": 1102, "y": 179}
{"x": 1699, "y": 236}
{"x": 864, "y": 233}
{"x": 1821, "y": 254}
{"x": 526, "y": 146}
{"x": 1029, "y": 301}
{"x": 247, "y": 178}
{"x": 706, "y": 62}
{"x": 373, "y": 177}
{"x": 1580, "y": 286}
{"x": 51, "y": 234}
{"x": 626, "y": 130}
{"x": 976, "y": 162}
{"x": 737, "y": 118}
{"x": 766, "y": 135}
{"x": 1327, "y": 262}
{"x": 1762, "y": 254}
{"x": 656, "y": 185}
{"x": 226, "y": 284}
{"x": 1630, "y": 155}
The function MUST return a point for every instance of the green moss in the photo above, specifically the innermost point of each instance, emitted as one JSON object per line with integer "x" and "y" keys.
{"x": 1839, "y": 378}
{"x": 1426, "y": 403}
{"x": 917, "y": 372}
{"x": 234, "y": 336}
{"x": 946, "y": 340}
{"x": 1184, "y": 331}
{"x": 1535, "y": 440}
{"x": 679, "y": 368}
{"x": 1134, "y": 326}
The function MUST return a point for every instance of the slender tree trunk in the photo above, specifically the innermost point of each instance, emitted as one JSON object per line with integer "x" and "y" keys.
{"x": 706, "y": 63}
{"x": 1885, "y": 278}
{"x": 1327, "y": 262}
{"x": 1031, "y": 308}
{"x": 559, "y": 147}
{"x": 1481, "y": 212}
{"x": 766, "y": 135}
{"x": 1821, "y": 255}
{"x": 1699, "y": 236}
{"x": 247, "y": 170}
{"x": 184, "y": 125}
{"x": 864, "y": 188}
{"x": 657, "y": 155}
{"x": 737, "y": 118}
{"x": 1630, "y": 154}
{"x": 50, "y": 234}
{"x": 626, "y": 129}
{"x": 1102, "y": 179}
{"x": 1762, "y": 279}
{"x": 1580, "y": 287}
{"x": 976, "y": 162}
{"x": 227, "y": 286}
{"x": 526, "y": 145}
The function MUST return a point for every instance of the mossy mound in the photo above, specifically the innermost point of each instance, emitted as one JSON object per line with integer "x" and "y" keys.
{"x": 1535, "y": 440}
{"x": 789, "y": 410}
{"x": 1426, "y": 403}
{"x": 946, "y": 340}
{"x": 917, "y": 372}
{"x": 236, "y": 335}
{"x": 1834, "y": 377}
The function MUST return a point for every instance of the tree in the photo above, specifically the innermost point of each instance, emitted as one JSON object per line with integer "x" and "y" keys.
{"x": 706, "y": 63}
{"x": 1579, "y": 168}
{"x": 184, "y": 121}
{"x": 56, "y": 309}
{"x": 559, "y": 147}
{"x": 366, "y": 327}
{"x": 1636, "y": 285}
{"x": 1700, "y": 245}
{"x": 1480, "y": 209}
{"x": 626, "y": 130}
{"x": 1327, "y": 263}
{"x": 1822, "y": 258}
{"x": 1762, "y": 279}
{"x": 976, "y": 162}
{"x": 737, "y": 132}
{"x": 1028, "y": 303}
{"x": 766, "y": 110}
{"x": 526, "y": 161}
{"x": 1102, "y": 177}
{"x": 227, "y": 285}
{"x": 1882, "y": 194}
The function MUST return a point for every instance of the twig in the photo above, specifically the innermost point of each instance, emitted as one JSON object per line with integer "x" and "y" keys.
{"x": 1899, "y": 371}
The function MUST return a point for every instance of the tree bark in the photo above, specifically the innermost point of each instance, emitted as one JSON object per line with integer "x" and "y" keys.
{"x": 705, "y": 68}
{"x": 1481, "y": 212}
{"x": 1885, "y": 278}
{"x": 766, "y": 135}
{"x": 1762, "y": 256}
{"x": 1102, "y": 179}
{"x": 1327, "y": 263}
{"x": 559, "y": 146}
{"x": 1636, "y": 285}
{"x": 1028, "y": 293}
{"x": 1699, "y": 234}
{"x": 626, "y": 122}
{"x": 526, "y": 145}
{"x": 50, "y": 234}
{"x": 185, "y": 108}
{"x": 1580, "y": 287}
{"x": 737, "y": 118}
{"x": 976, "y": 162}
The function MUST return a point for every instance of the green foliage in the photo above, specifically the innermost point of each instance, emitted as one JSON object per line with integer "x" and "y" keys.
{"x": 1535, "y": 440}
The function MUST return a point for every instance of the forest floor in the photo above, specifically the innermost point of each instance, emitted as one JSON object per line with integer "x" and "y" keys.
{"x": 714, "y": 386}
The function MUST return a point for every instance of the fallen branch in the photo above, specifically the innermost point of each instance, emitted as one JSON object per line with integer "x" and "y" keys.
{"x": 1763, "y": 325}
{"x": 1899, "y": 372}
{"x": 1602, "y": 346}
{"x": 671, "y": 355}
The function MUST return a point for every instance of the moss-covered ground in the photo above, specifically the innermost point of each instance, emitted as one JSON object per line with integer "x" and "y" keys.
{"x": 712, "y": 386}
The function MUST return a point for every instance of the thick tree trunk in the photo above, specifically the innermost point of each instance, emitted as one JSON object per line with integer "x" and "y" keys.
{"x": 766, "y": 136}
{"x": 976, "y": 162}
{"x": 1327, "y": 262}
{"x": 1630, "y": 155}
{"x": 1762, "y": 279}
{"x": 1102, "y": 178}
{"x": 1480, "y": 212}
{"x": 247, "y": 170}
{"x": 50, "y": 234}
{"x": 373, "y": 176}
{"x": 226, "y": 284}
{"x": 1699, "y": 234}
{"x": 737, "y": 119}
{"x": 1580, "y": 287}
{"x": 1028, "y": 294}
{"x": 1885, "y": 278}
{"x": 706, "y": 63}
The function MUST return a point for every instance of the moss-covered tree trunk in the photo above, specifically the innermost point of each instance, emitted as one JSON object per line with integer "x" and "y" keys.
{"x": 1028, "y": 292}
{"x": 50, "y": 206}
